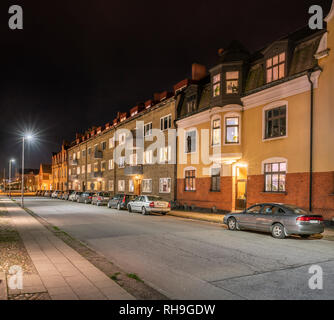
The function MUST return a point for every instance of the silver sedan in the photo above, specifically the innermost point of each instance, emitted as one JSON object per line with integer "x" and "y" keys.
{"x": 278, "y": 219}
{"x": 149, "y": 204}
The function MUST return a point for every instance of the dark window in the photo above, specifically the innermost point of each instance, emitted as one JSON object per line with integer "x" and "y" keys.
{"x": 275, "y": 177}
{"x": 104, "y": 145}
{"x": 191, "y": 142}
{"x": 215, "y": 180}
{"x": 166, "y": 123}
{"x": 276, "y": 123}
{"x": 190, "y": 180}
{"x": 191, "y": 104}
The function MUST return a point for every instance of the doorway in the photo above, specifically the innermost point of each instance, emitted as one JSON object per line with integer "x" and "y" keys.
{"x": 241, "y": 187}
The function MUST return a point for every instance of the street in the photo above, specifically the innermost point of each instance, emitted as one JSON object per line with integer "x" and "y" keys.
{"x": 190, "y": 260}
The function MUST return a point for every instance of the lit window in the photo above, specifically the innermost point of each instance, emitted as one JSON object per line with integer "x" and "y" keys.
{"x": 78, "y": 170}
{"x": 232, "y": 82}
{"x": 148, "y": 157}
{"x": 111, "y": 185}
{"x": 165, "y": 185}
{"x": 121, "y": 162}
{"x": 111, "y": 164}
{"x": 190, "y": 180}
{"x": 276, "y": 67}
{"x": 103, "y": 166}
{"x": 275, "y": 123}
{"x": 216, "y": 85}
{"x": 89, "y": 168}
{"x": 216, "y": 132}
{"x": 165, "y": 154}
{"x": 121, "y": 185}
{"x": 83, "y": 169}
{"x": 131, "y": 186}
{"x": 111, "y": 142}
{"x": 232, "y": 130}
{"x": 275, "y": 177}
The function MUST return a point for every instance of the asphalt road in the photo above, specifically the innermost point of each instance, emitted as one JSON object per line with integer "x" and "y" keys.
{"x": 196, "y": 260}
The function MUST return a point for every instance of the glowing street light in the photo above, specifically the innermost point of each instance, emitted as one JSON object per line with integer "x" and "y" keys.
{"x": 10, "y": 175}
{"x": 25, "y": 137}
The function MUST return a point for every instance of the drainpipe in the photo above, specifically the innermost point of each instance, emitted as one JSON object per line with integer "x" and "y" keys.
{"x": 311, "y": 141}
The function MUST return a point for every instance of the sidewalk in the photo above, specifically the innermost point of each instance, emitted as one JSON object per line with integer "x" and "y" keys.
{"x": 62, "y": 272}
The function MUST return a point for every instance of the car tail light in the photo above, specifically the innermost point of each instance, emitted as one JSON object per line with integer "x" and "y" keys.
{"x": 169, "y": 206}
{"x": 90, "y": 197}
{"x": 99, "y": 198}
{"x": 152, "y": 205}
{"x": 308, "y": 219}
{"x": 124, "y": 199}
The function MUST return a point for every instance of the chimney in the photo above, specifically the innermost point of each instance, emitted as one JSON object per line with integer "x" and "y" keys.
{"x": 156, "y": 96}
{"x": 198, "y": 72}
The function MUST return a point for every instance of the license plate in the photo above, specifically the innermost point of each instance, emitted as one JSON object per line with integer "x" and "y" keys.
{"x": 314, "y": 222}
{"x": 161, "y": 205}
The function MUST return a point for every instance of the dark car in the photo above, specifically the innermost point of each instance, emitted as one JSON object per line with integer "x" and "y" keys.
{"x": 281, "y": 220}
{"x": 60, "y": 195}
{"x": 85, "y": 197}
{"x": 120, "y": 201}
{"x": 101, "y": 198}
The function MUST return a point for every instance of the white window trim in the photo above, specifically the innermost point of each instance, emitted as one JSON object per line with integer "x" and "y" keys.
{"x": 213, "y": 119}
{"x": 166, "y": 192}
{"x": 274, "y": 160}
{"x": 189, "y": 169}
{"x": 232, "y": 115}
{"x": 167, "y": 116}
{"x": 270, "y": 106}
{"x": 146, "y": 124}
{"x": 185, "y": 141}
{"x": 148, "y": 192}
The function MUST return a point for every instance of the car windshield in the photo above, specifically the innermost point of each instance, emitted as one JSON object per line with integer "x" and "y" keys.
{"x": 155, "y": 199}
{"x": 296, "y": 209}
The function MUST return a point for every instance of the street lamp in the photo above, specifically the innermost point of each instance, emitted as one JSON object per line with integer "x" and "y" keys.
{"x": 27, "y": 137}
{"x": 10, "y": 176}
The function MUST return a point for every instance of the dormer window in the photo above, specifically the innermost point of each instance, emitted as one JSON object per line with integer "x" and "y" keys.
{"x": 216, "y": 85}
{"x": 191, "y": 104}
{"x": 276, "y": 67}
{"x": 232, "y": 82}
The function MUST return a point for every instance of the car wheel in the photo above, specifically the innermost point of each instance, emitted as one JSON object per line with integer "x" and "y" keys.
{"x": 119, "y": 207}
{"x": 143, "y": 211}
{"x": 278, "y": 231}
{"x": 129, "y": 208}
{"x": 305, "y": 236}
{"x": 232, "y": 224}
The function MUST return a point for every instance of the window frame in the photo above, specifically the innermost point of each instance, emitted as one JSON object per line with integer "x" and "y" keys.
{"x": 231, "y": 116}
{"x": 150, "y": 131}
{"x": 217, "y": 83}
{"x": 170, "y": 185}
{"x": 232, "y": 79}
{"x": 190, "y": 179}
{"x": 186, "y": 150}
{"x": 218, "y": 177}
{"x": 266, "y": 120}
{"x": 272, "y": 173}
{"x": 169, "y": 122}
{"x": 213, "y": 128}
{"x": 272, "y": 66}
{"x": 151, "y": 186}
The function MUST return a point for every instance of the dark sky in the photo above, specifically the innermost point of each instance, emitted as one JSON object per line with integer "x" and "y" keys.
{"x": 77, "y": 63}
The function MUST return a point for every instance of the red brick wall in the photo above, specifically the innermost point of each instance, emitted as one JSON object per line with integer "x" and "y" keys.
{"x": 203, "y": 198}
{"x": 297, "y": 192}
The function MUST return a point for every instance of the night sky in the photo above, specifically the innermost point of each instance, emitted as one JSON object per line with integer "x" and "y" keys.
{"x": 77, "y": 63}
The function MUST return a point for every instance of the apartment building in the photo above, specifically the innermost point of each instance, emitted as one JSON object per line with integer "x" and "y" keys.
{"x": 258, "y": 129}
{"x": 59, "y": 169}
{"x": 44, "y": 177}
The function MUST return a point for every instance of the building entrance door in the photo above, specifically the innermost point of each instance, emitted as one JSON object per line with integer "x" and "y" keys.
{"x": 241, "y": 198}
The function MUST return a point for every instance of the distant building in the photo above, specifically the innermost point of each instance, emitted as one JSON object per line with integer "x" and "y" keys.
{"x": 44, "y": 177}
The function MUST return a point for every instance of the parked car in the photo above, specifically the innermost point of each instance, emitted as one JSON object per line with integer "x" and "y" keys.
{"x": 60, "y": 195}
{"x": 74, "y": 196}
{"x": 281, "y": 220}
{"x": 85, "y": 197}
{"x": 101, "y": 198}
{"x": 67, "y": 194}
{"x": 120, "y": 201}
{"x": 47, "y": 194}
{"x": 149, "y": 204}
{"x": 54, "y": 194}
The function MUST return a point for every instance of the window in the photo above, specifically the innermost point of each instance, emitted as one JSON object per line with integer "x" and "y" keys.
{"x": 232, "y": 82}
{"x": 89, "y": 150}
{"x": 96, "y": 167}
{"x": 111, "y": 164}
{"x": 70, "y": 172}
{"x": 254, "y": 210}
{"x": 121, "y": 185}
{"x": 216, "y": 132}
{"x": 165, "y": 185}
{"x": 78, "y": 155}
{"x": 83, "y": 153}
{"x": 191, "y": 141}
{"x": 74, "y": 156}
{"x": 111, "y": 185}
{"x": 78, "y": 170}
{"x": 89, "y": 168}
{"x": 165, "y": 154}
{"x": 83, "y": 169}
{"x": 191, "y": 104}
{"x": 121, "y": 162}
{"x": 104, "y": 145}
{"x": 131, "y": 186}
{"x": 166, "y": 123}
{"x": 148, "y": 157}
{"x": 112, "y": 143}
{"x": 216, "y": 85}
{"x": 275, "y": 123}
{"x": 147, "y": 186}
{"x": 276, "y": 67}
{"x": 133, "y": 159}
{"x": 122, "y": 138}
{"x": 275, "y": 177}
{"x": 148, "y": 130}
{"x": 103, "y": 166}
{"x": 232, "y": 130}
{"x": 190, "y": 180}
{"x": 215, "y": 180}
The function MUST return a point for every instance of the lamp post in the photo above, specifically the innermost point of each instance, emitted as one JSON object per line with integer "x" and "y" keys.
{"x": 24, "y": 138}
{"x": 10, "y": 176}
